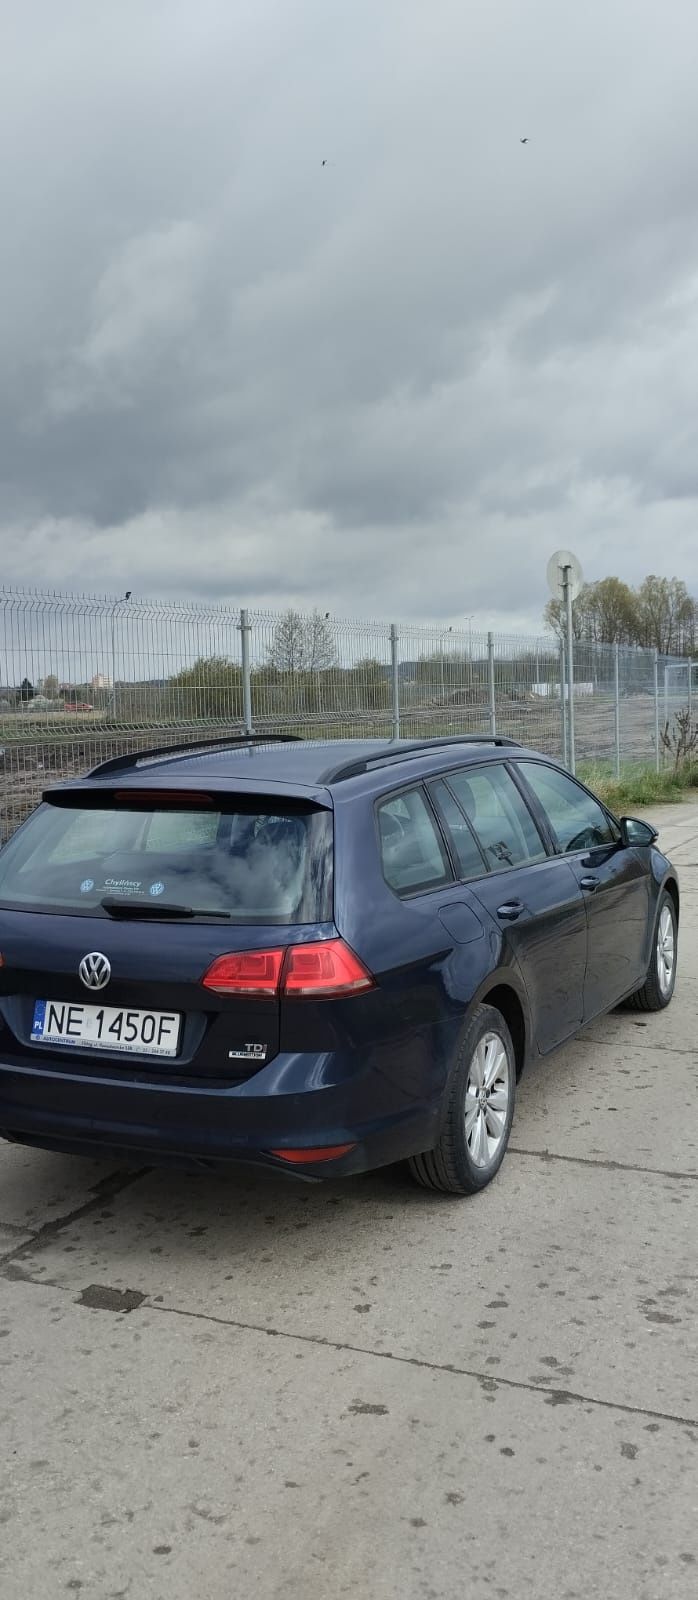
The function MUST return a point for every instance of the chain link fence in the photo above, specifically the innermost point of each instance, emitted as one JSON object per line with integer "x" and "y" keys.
{"x": 84, "y": 678}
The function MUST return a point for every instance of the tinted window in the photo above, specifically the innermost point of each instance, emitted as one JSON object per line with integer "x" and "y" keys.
{"x": 411, "y": 850}
{"x": 499, "y": 815}
{"x": 468, "y": 854}
{"x": 577, "y": 820}
{"x": 254, "y": 864}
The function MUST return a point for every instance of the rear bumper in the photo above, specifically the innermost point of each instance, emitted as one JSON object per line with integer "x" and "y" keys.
{"x": 385, "y": 1109}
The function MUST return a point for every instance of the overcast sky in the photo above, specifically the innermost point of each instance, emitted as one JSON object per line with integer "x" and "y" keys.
{"x": 389, "y": 386}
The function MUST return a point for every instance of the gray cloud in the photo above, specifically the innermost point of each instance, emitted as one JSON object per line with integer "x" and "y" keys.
{"x": 394, "y": 384}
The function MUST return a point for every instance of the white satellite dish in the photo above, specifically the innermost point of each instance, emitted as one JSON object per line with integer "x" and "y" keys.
{"x": 556, "y": 574}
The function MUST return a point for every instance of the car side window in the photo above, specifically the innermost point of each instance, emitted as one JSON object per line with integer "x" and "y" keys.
{"x": 498, "y": 814}
{"x": 411, "y": 851}
{"x": 577, "y": 820}
{"x": 468, "y": 853}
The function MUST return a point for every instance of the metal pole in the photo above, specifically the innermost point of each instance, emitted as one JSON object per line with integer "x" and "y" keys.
{"x": 563, "y": 704}
{"x": 690, "y": 692}
{"x": 246, "y": 674}
{"x": 666, "y": 695}
{"x": 113, "y": 667}
{"x": 570, "y": 667}
{"x": 616, "y": 701}
{"x": 493, "y": 699}
{"x": 656, "y": 710}
{"x": 396, "y": 680}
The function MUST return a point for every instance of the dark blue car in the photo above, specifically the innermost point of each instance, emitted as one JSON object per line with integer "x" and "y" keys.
{"x": 320, "y": 957}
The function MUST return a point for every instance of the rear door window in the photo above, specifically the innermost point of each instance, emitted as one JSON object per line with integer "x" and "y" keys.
{"x": 471, "y": 863}
{"x": 412, "y": 854}
{"x": 251, "y": 861}
{"x": 498, "y": 814}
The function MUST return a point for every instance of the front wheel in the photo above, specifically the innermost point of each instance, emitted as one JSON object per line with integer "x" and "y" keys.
{"x": 478, "y": 1110}
{"x": 658, "y": 987}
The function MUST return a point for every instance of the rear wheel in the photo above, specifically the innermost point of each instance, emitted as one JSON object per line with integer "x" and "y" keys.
{"x": 478, "y": 1110}
{"x": 658, "y": 987}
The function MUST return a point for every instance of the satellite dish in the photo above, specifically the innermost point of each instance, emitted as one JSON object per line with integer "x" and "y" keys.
{"x": 556, "y": 574}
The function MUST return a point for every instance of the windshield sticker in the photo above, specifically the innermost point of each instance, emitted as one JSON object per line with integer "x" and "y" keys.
{"x": 156, "y": 889}
{"x": 122, "y": 886}
{"x": 86, "y": 885}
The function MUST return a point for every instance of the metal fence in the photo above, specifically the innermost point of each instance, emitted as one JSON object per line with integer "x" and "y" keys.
{"x": 83, "y": 678}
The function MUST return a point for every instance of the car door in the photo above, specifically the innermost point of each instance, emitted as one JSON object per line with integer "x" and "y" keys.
{"x": 533, "y": 897}
{"x": 613, "y": 878}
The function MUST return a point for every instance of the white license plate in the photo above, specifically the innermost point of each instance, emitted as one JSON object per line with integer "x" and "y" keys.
{"x": 152, "y": 1033}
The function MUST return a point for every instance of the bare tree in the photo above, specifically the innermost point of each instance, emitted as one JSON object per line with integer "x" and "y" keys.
{"x": 302, "y": 644}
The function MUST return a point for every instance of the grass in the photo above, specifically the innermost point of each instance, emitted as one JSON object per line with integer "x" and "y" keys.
{"x": 639, "y": 785}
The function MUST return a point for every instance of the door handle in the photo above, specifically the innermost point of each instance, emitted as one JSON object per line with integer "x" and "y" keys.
{"x": 590, "y": 884}
{"x": 510, "y": 910}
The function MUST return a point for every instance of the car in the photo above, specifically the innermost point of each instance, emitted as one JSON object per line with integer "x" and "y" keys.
{"x": 78, "y": 705}
{"x": 317, "y": 957}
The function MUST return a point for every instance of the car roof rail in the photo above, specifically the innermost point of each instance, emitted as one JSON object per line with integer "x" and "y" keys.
{"x": 179, "y": 751}
{"x": 386, "y": 757}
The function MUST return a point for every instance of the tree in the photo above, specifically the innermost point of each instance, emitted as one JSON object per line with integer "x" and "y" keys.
{"x": 614, "y": 611}
{"x": 26, "y": 690}
{"x": 302, "y": 644}
{"x": 212, "y": 687}
{"x": 665, "y": 612}
{"x": 51, "y": 686}
{"x": 603, "y": 613}
{"x": 660, "y": 615}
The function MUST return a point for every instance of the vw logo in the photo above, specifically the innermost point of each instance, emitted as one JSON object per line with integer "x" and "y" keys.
{"x": 95, "y": 970}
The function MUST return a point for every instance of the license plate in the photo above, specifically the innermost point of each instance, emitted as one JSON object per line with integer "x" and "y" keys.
{"x": 152, "y": 1033}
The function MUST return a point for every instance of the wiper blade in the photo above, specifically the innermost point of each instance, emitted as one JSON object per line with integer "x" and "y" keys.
{"x": 144, "y": 908}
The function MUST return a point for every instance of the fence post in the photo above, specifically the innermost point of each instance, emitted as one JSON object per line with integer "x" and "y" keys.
{"x": 493, "y": 700}
{"x": 656, "y": 710}
{"x": 395, "y": 673}
{"x": 563, "y": 706}
{"x": 616, "y": 702}
{"x": 690, "y": 691}
{"x": 570, "y": 669}
{"x": 245, "y": 631}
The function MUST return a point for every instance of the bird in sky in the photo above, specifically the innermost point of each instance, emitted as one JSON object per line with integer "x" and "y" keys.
{"x": 521, "y": 141}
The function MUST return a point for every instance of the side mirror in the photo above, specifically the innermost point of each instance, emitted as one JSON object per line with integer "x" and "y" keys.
{"x": 634, "y": 832}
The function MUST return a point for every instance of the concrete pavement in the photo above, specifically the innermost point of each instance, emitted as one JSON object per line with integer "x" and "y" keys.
{"x": 360, "y": 1389}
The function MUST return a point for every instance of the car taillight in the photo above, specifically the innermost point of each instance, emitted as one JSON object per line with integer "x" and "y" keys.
{"x": 325, "y": 970}
{"x": 253, "y": 972}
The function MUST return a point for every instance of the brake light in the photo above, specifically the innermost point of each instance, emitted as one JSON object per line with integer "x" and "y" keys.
{"x": 253, "y": 972}
{"x": 325, "y": 970}
{"x": 161, "y": 799}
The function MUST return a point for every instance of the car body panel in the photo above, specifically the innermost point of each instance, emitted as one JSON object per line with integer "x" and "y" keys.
{"x": 368, "y": 1069}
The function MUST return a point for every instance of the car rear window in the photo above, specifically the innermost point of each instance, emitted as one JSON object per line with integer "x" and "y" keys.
{"x": 254, "y": 862}
{"x": 411, "y": 850}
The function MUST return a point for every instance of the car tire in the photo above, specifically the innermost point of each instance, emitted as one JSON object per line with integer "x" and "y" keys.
{"x": 478, "y": 1110}
{"x": 658, "y": 987}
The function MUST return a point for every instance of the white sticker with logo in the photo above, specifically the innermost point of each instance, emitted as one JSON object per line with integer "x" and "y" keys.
{"x": 128, "y": 886}
{"x": 86, "y": 885}
{"x": 156, "y": 889}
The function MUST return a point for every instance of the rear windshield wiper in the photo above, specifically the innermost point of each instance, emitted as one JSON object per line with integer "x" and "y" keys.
{"x": 143, "y": 908}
